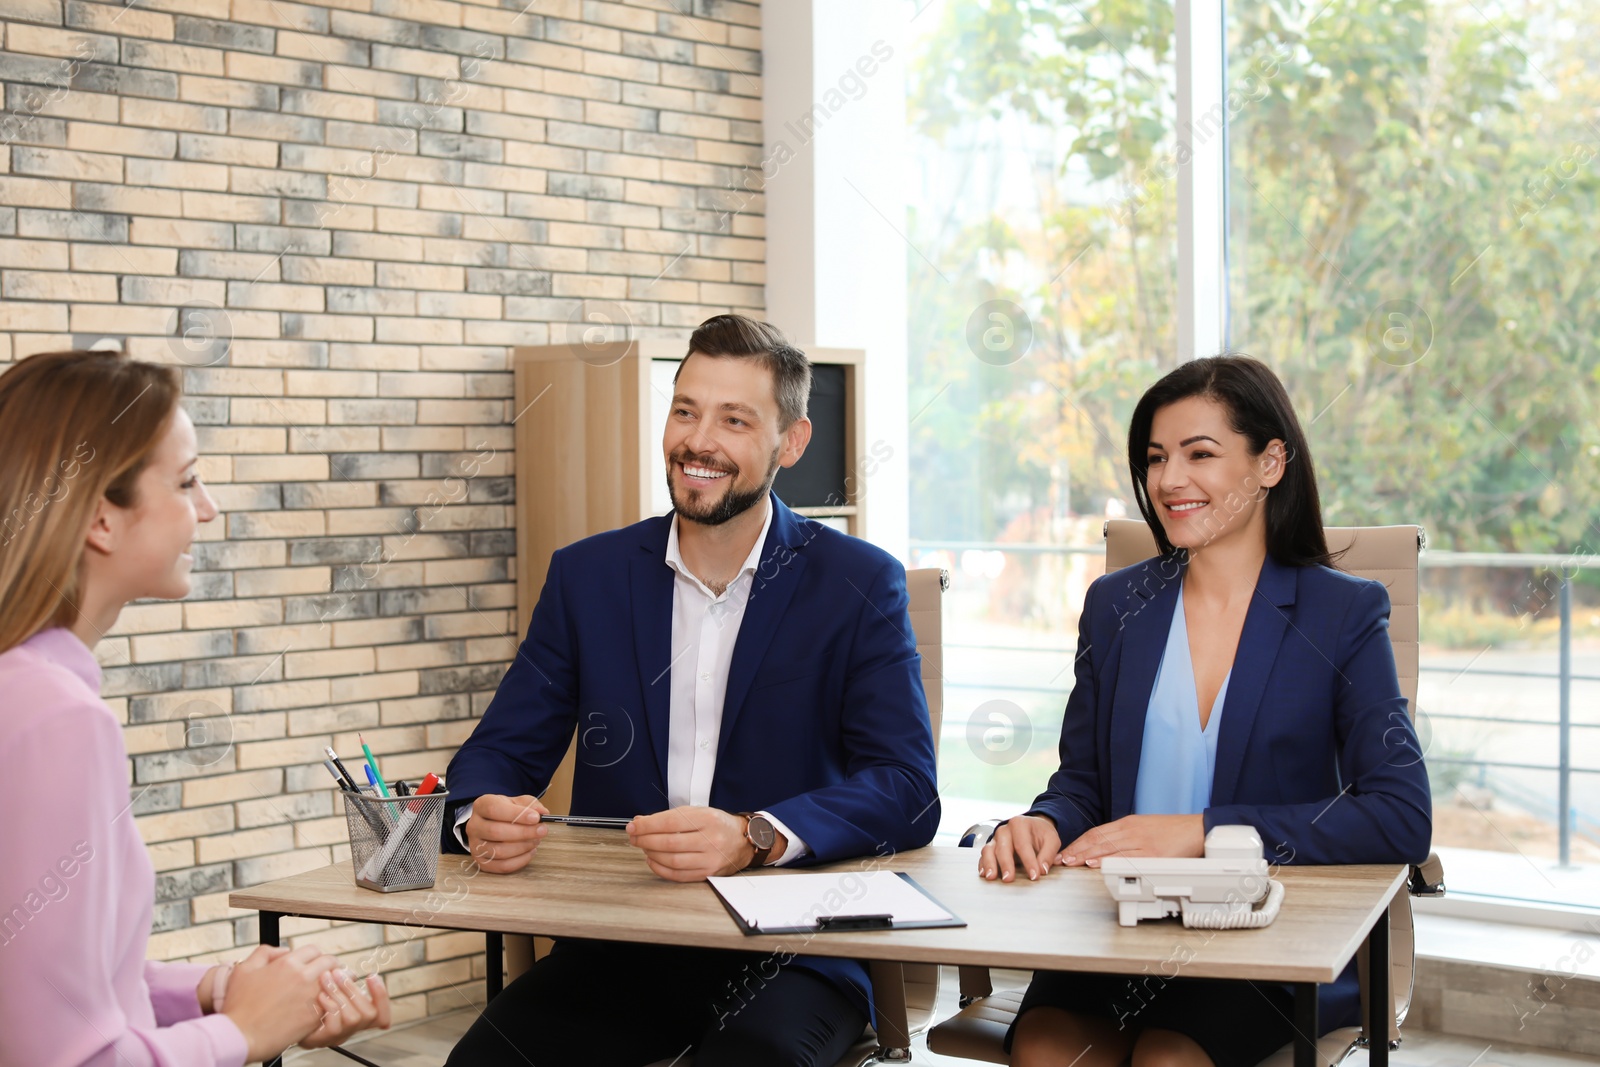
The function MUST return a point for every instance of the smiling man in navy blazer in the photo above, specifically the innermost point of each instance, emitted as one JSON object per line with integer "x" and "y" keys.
{"x": 745, "y": 686}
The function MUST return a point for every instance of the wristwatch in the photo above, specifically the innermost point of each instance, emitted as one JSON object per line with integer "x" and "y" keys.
{"x": 759, "y": 831}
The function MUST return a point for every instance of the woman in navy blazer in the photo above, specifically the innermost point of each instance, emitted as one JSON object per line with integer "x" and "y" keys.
{"x": 1303, "y": 732}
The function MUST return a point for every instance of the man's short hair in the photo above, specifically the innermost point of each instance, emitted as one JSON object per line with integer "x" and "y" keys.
{"x": 739, "y": 337}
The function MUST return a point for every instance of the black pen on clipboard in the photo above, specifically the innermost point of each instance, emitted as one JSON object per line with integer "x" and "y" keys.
{"x": 884, "y": 921}
{"x": 837, "y": 923}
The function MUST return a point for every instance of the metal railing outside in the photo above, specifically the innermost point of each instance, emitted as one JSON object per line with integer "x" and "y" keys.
{"x": 1565, "y": 565}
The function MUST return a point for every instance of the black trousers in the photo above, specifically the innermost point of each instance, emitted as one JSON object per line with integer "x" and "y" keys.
{"x": 619, "y": 1005}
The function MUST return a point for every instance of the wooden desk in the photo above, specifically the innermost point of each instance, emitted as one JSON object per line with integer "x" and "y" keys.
{"x": 591, "y": 884}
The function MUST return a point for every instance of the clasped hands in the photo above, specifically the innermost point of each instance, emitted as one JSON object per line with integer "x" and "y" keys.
{"x": 279, "y": 997}
{"x": 688, "y": 844}
{"x": 1030, "y": 844}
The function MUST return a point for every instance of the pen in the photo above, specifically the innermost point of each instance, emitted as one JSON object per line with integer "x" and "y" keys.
{"x": 377, "y": 779}
{"x": 371, "y": 818}
{"x": 344, "y": 773}
{"x": 389, "y": 813}
{"x": 605, "y": 822}
{"x": 401, "y": 789}
{"x": 855, "y": 922}
{"x": 328, "y": 763}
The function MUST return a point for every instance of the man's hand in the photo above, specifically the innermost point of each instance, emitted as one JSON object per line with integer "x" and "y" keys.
{"x": 503, "y": 832}
{"x": 1027, "y": 843}
{"x": 692, "y": 844}
{"x": 1139, "y": 835}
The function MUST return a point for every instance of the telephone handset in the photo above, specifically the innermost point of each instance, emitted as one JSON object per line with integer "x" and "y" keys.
{"x": 1226, "y": 889}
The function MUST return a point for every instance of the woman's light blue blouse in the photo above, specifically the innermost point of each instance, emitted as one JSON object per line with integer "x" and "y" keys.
{"x": 1178, "y": 758}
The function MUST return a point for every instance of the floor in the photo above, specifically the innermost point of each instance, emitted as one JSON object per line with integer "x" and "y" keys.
{"x": 427, "y": 1043}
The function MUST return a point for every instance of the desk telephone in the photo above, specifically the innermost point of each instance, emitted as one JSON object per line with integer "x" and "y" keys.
{"x": 1226, "y": 889}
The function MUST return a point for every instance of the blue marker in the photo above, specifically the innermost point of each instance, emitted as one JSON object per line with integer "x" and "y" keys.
{"x": 388, "y": 810}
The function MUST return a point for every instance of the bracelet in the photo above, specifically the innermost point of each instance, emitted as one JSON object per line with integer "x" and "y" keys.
{"x": 219, "y": 986}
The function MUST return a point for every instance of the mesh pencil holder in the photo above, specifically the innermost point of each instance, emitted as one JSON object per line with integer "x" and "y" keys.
{"x": 394, "y": 841}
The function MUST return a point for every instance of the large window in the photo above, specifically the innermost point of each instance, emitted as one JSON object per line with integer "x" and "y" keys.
{"x": 1411, "y": 194}
{"x": 1412, "y": 244}
{"x": 1042, "y": 287}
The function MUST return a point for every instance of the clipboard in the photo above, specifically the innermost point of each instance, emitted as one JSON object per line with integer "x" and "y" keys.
{"x": 804, "y": 903}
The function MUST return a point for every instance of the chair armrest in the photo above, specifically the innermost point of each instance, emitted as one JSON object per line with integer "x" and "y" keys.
{"x": 890, "y": 1020}
{"x": 1427, "y": 877}
{"x": 975, "y": 984}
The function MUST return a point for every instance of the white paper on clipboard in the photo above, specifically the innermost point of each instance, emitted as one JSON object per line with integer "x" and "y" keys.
{"x": 788, "y": 902}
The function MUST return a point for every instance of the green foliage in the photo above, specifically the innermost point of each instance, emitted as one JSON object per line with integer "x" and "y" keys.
{"x": 1473, "y": 628}
{"x": 1412, "y": 248}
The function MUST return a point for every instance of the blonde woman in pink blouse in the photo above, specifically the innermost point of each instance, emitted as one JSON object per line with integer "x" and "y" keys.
{"x": 99, "y": 502}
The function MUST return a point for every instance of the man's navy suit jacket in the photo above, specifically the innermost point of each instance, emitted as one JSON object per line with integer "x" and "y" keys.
{"x": 824, "y": 723}
{"x": 1315, "y": 748}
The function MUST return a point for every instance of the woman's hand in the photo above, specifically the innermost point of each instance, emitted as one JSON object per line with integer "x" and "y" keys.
{"x": 208, "y": 981}
{"x": 273, "y": 996}
{"x": 348, "y": 1008}
{"x": 1027, "y": 842}
{"x": 1139, "y": 835}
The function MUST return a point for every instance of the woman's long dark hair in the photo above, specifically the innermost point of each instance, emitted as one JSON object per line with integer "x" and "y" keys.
{"x": 1259, "y": 410}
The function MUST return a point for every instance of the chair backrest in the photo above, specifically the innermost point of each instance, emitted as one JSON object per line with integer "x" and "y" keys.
{"x": 925, "y": 588}
{"x": 1385, "y": 553}
{"x": 920, "y": 981}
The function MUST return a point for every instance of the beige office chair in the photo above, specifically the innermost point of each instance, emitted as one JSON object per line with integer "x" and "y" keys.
{"x": 903, "y": 994}
{"x": 1385, "y": 553}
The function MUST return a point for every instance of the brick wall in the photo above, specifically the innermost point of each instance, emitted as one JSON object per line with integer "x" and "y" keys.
{"x": 336, "y": 216}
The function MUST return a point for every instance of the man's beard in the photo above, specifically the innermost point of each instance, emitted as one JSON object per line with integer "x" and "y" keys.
{"x": 734, "y": 501}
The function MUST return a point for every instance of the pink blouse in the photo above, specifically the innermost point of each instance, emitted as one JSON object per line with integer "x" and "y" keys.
{"x": 77, "y": 890}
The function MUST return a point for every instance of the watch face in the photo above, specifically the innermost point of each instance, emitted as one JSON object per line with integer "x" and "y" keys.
{"x": 762, "y": 835}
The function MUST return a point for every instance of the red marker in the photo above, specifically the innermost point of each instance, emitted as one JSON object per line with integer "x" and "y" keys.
{"x": 428, "y": 784}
